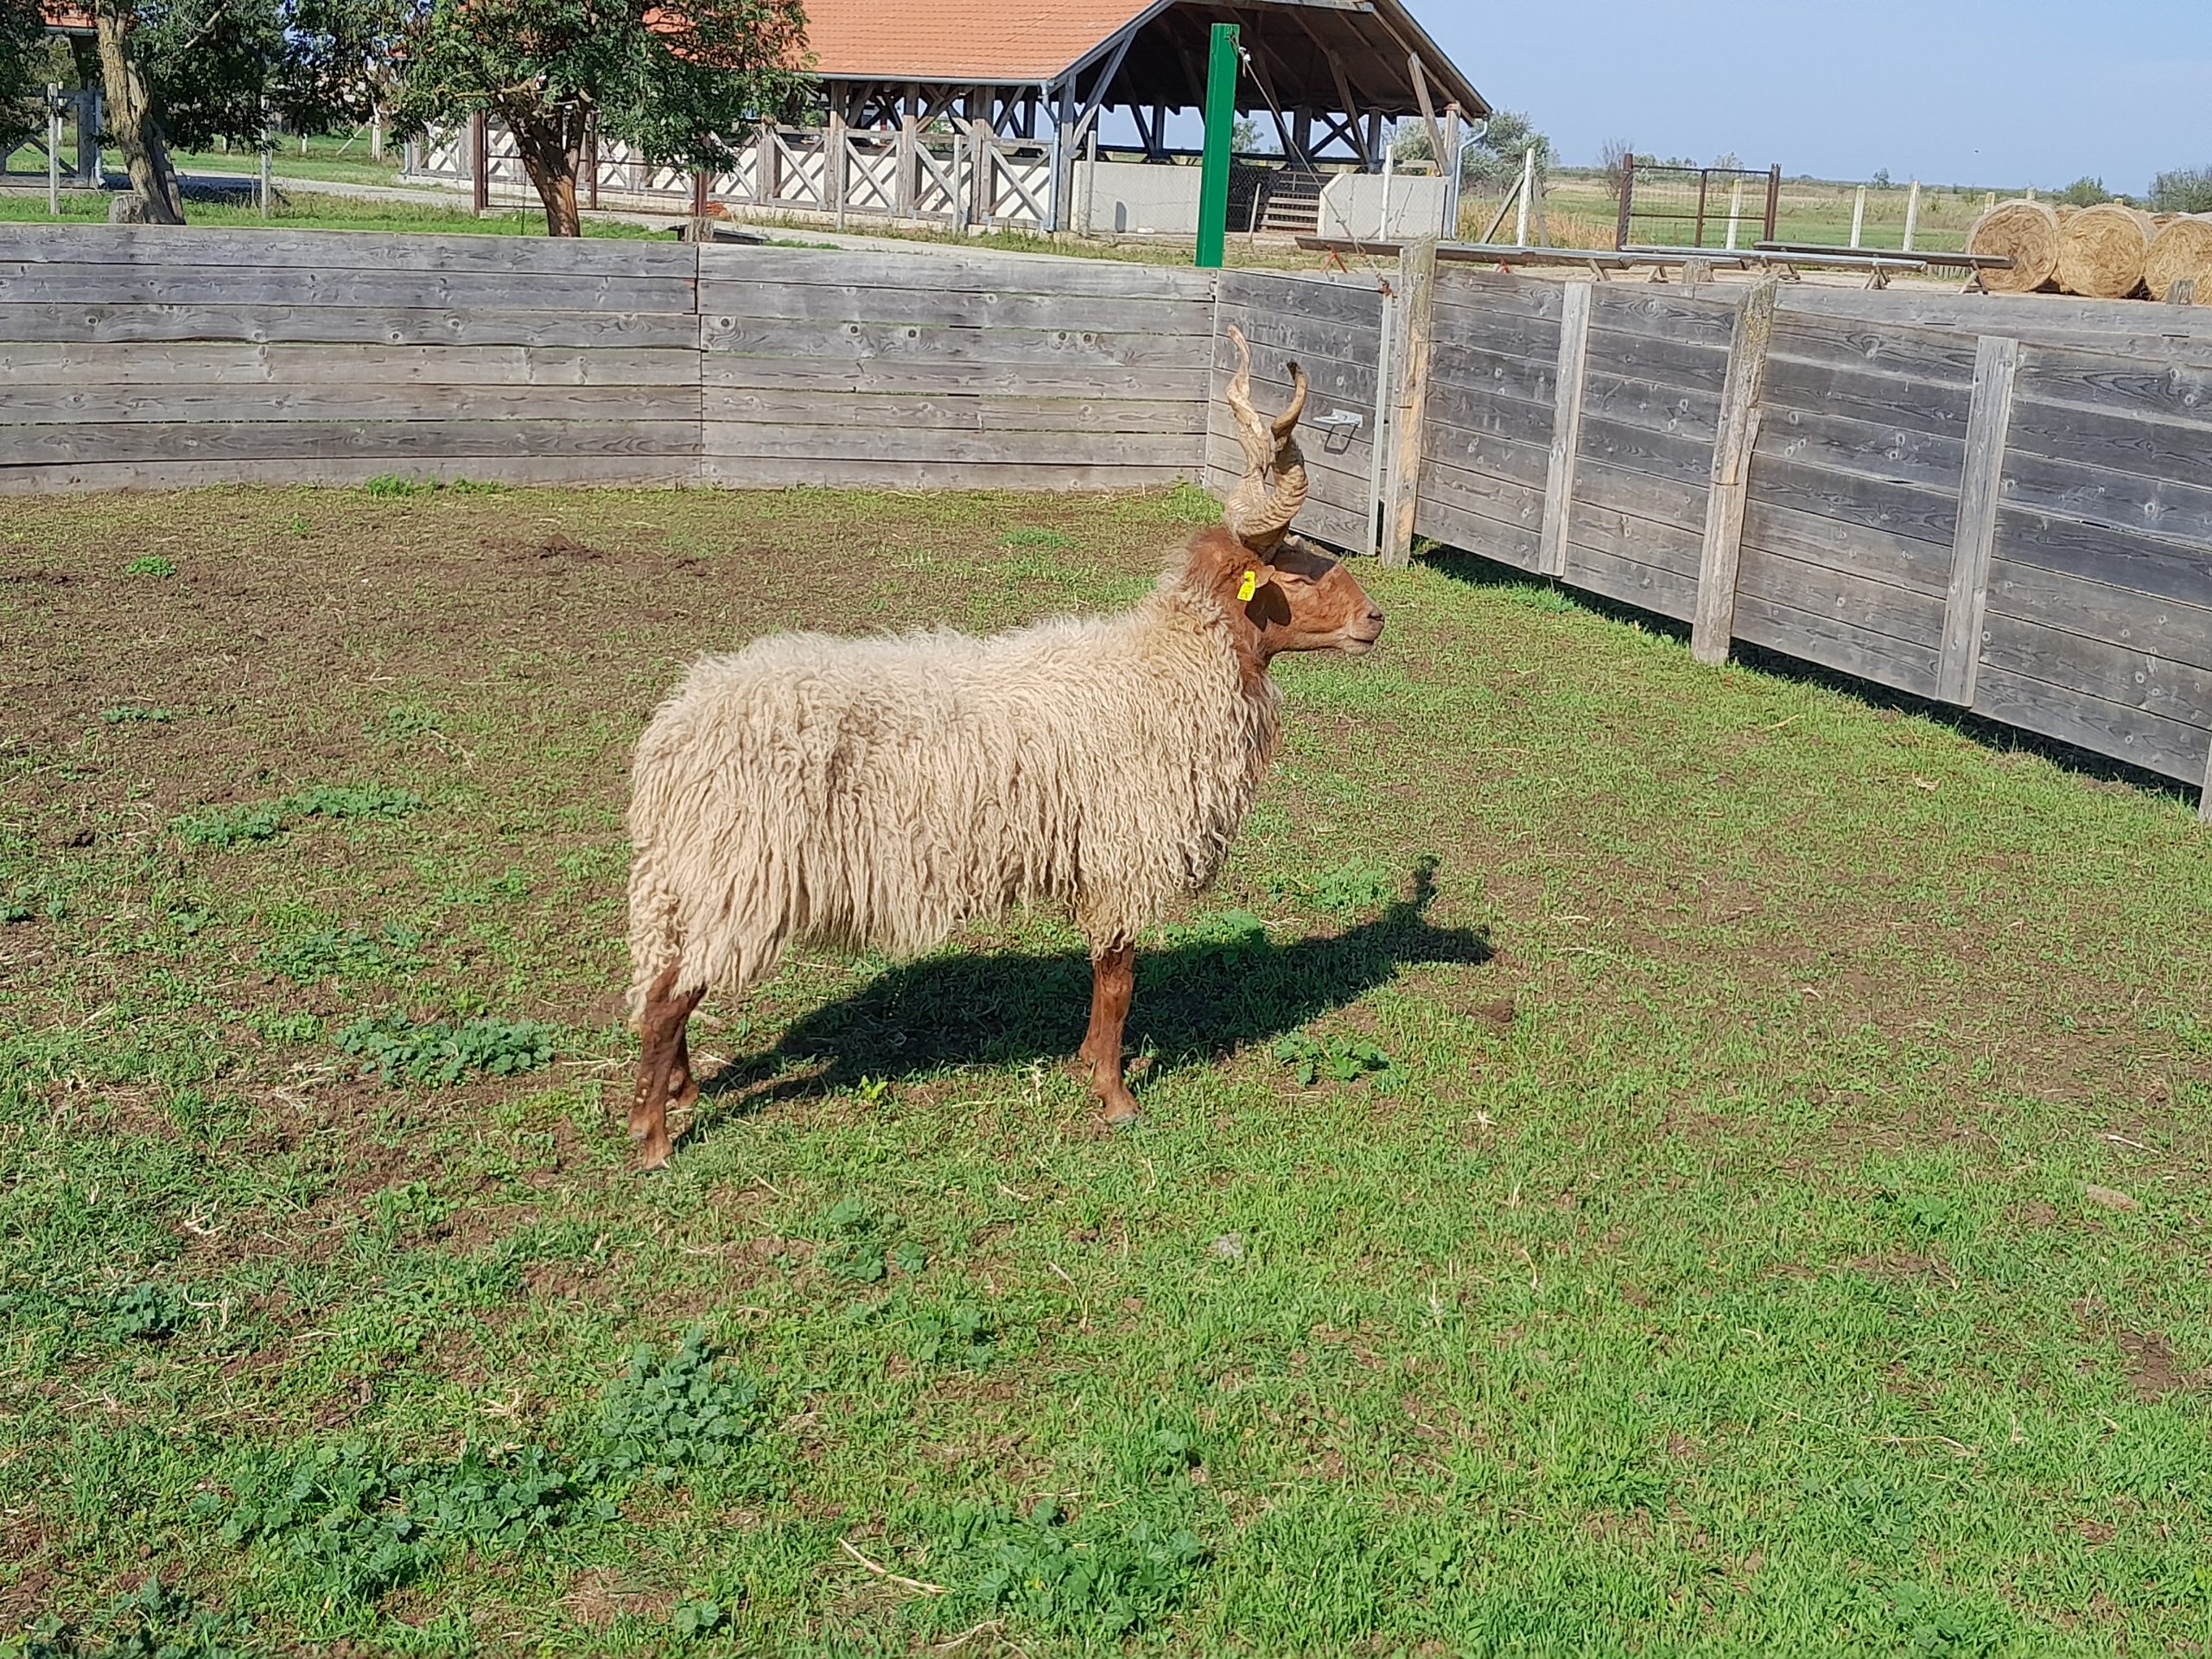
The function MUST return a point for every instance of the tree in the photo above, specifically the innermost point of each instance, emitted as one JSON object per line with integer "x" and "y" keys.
{"x": 1489, "y": 159}
{"x": 23, "y": 56}
{"x": 1616, "y": 157}
{"x": 679, "y": 87}
{"x": 2184, "y": 190}
{"x": 2085, "y": 193}
{"x": 189, "y": 72}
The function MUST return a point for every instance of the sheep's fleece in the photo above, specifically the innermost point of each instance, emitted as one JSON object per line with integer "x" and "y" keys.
{"x": 878, "y": 792}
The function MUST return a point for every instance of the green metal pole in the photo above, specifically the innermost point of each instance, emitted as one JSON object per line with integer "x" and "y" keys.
{"x": 1220, "y": 123}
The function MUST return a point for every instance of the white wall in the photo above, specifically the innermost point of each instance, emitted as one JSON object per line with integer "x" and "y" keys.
{"x": 1136, "y": 199}
{"x": 1352, "y": 205}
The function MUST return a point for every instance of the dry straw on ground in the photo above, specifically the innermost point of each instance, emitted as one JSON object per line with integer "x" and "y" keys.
{"x": 2028, "y": 231}
{"x": 2183, "y": 249}
{"x": 2101, "y": 252}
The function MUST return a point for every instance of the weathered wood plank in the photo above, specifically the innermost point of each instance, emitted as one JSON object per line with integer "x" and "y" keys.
{"x": 1478, "y": 409}
{"x": 2156, "y": 390}
{"x": 2176, "y": 451}
{"x": 968, "y": 271}
{"x": 344, "y": 326}
{"x": 1873, "y": 607}
{"x": 567, "y": 469}
{"x": 1640, "y": 495}
{"x": 1485, "y": 452}
{"x": 2100, "y": 495}
{"x": 1496, "y": 292}
{"x": 928, "y": 378}
{"x": 2119, "y": 616}
{"x": 2131, "y": 735}
{"x": 1562, "y": 456}
{"x": 1839, "y": 443}
{"x": 1731, "y": 475}
{"x": 1672, "y": 410}
{"x": 2125, "y": 559}
{"x": 1895, "y": 401}
{"x": 1405, "y": 384}
{"x": 44, "y": 406}
{"x": 1342, "y": 476}
{"x": 942, "y": 309}
{"x": 1668, "y": 593}
{"x": 1501, "y": 334}
{"x": 1443, "y": 519}
{"x": 1503, "y": 500}
{"x": 1929, "y": 357}
{"x": 279, "y": 443}
{"x": 64, "y": 363}
{"x": 1466, "y": 368}
{"x": 1981, "y": 487}
{"x": 1850, "y": 498}
{"x": 1359, "y": 305}
{"x": 1684, "y": 456}
{"x": 1620, "y": 535}
{"x": 1665, "y": 314}
{"x": 1312, "y": 343}
{"x": 93, "y": 284}
{"x": 1836, "y": 643}
{"x": 783, "y": 472}
{"x": 2117, "y": 674}
{"x": 222, "y": 248}
{"x": 995, "y": 345}
{"x": 1854, "y": 549}
{"x": 1169, "y": 450}
{"x": 985, "y": 412}
{"x": 2024, "y": 317}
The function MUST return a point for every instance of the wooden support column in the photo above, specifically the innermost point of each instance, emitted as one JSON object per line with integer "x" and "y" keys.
{"x": 1567, "y": 427}
{"x": 1996, "y": 363}
{"x": 837, "y": 158}
{"x": 1714, "y": 624}
{"x": 902, "y": 206}
{"x": 479, "y": 161}
{"x": 1407, "y": 398}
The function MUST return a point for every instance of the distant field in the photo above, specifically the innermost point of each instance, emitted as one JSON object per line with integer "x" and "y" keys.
{"x": 1582, "y": 210}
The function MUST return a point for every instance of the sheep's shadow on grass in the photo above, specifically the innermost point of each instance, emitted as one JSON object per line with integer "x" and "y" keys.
{"x": 1198, "y": 1002}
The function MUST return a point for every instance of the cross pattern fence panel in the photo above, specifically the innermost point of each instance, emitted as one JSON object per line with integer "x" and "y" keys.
{"x": 951, "y": 370}
{"x": 1333, "y": 330}
{"x": 148, "y": 356}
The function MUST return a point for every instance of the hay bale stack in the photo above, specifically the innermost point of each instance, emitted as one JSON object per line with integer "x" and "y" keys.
{"x": 2101, "y": 252}
{"x": 2028, "y": 231}
{"x": 2183, "y": 248}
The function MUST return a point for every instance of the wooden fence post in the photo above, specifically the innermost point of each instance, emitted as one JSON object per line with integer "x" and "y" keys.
{"x": 1408, "y": 399}
{"x": 1576, "y": 300}
{"x": 2204, "y": 800}
{"x": 1714, "y": 624}
{"x": 479, "y": 163}
{"x": 1996, "y": 362}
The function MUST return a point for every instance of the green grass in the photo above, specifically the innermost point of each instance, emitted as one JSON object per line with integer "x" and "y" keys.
{"x": 1749, "y": 1195}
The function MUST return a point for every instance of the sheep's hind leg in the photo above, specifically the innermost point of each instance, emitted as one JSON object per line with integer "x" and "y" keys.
{"x": 1113, "y": 982}
{"x": 663, "y": 1065}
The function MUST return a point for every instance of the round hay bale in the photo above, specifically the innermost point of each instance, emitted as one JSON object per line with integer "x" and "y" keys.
{"x": 2183, "y": 248}
{"x": 2028, "y": 230}
{"x": 2101, "y": 250}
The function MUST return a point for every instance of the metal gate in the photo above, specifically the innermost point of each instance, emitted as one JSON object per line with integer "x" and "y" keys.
{"x": 1696, "y": 207}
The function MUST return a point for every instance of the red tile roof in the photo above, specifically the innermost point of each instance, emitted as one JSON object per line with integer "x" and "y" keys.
{"x": 987, "y": 41}
{"x": 60, "y": 15}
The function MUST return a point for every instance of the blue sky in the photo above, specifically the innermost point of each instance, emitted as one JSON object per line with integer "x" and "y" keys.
{"x": 1952, "y": 92}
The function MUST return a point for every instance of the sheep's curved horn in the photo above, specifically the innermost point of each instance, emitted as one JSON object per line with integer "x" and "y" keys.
{"x": 1260, "y": 508}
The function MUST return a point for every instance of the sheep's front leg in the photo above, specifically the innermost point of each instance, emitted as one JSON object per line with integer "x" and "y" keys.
{"x": 1113, "y": 982}
{"x": 663, "y": 1066}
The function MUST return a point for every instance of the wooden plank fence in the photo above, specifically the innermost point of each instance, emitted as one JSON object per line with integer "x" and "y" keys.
{"x": 2000, "y": 504}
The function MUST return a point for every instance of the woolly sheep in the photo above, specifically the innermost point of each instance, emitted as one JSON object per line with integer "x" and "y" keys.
{"x": 879, "y": 792}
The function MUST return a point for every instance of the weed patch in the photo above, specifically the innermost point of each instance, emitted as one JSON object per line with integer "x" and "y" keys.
{"x": 437, "y": 1051}
{"x": 1340, "y": 1059}
{"x": 264, "y": 821}
{"x": 691, "y": 1409}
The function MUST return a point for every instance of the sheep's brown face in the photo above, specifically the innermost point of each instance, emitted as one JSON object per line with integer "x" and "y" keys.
{"x": 1303, "y": 600}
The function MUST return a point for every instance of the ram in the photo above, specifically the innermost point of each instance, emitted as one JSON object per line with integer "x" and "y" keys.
{"x": 877, "y": 793}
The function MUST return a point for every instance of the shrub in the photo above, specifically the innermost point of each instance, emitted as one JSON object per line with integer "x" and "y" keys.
{"x": 434, "y": 1051}
{"x": 2184, "y": 190}
{"x": 2084, "y": 193}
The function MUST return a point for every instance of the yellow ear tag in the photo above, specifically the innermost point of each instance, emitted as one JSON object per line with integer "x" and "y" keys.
{"x": 1248, "y": 587}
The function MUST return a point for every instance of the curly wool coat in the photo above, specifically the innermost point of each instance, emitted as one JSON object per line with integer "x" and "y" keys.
{"x": 878, "y": 792}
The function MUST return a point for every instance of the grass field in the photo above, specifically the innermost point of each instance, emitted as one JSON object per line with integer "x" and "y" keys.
{"x": 1636, "y": 1157}
{"x": 308, "y": 210}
